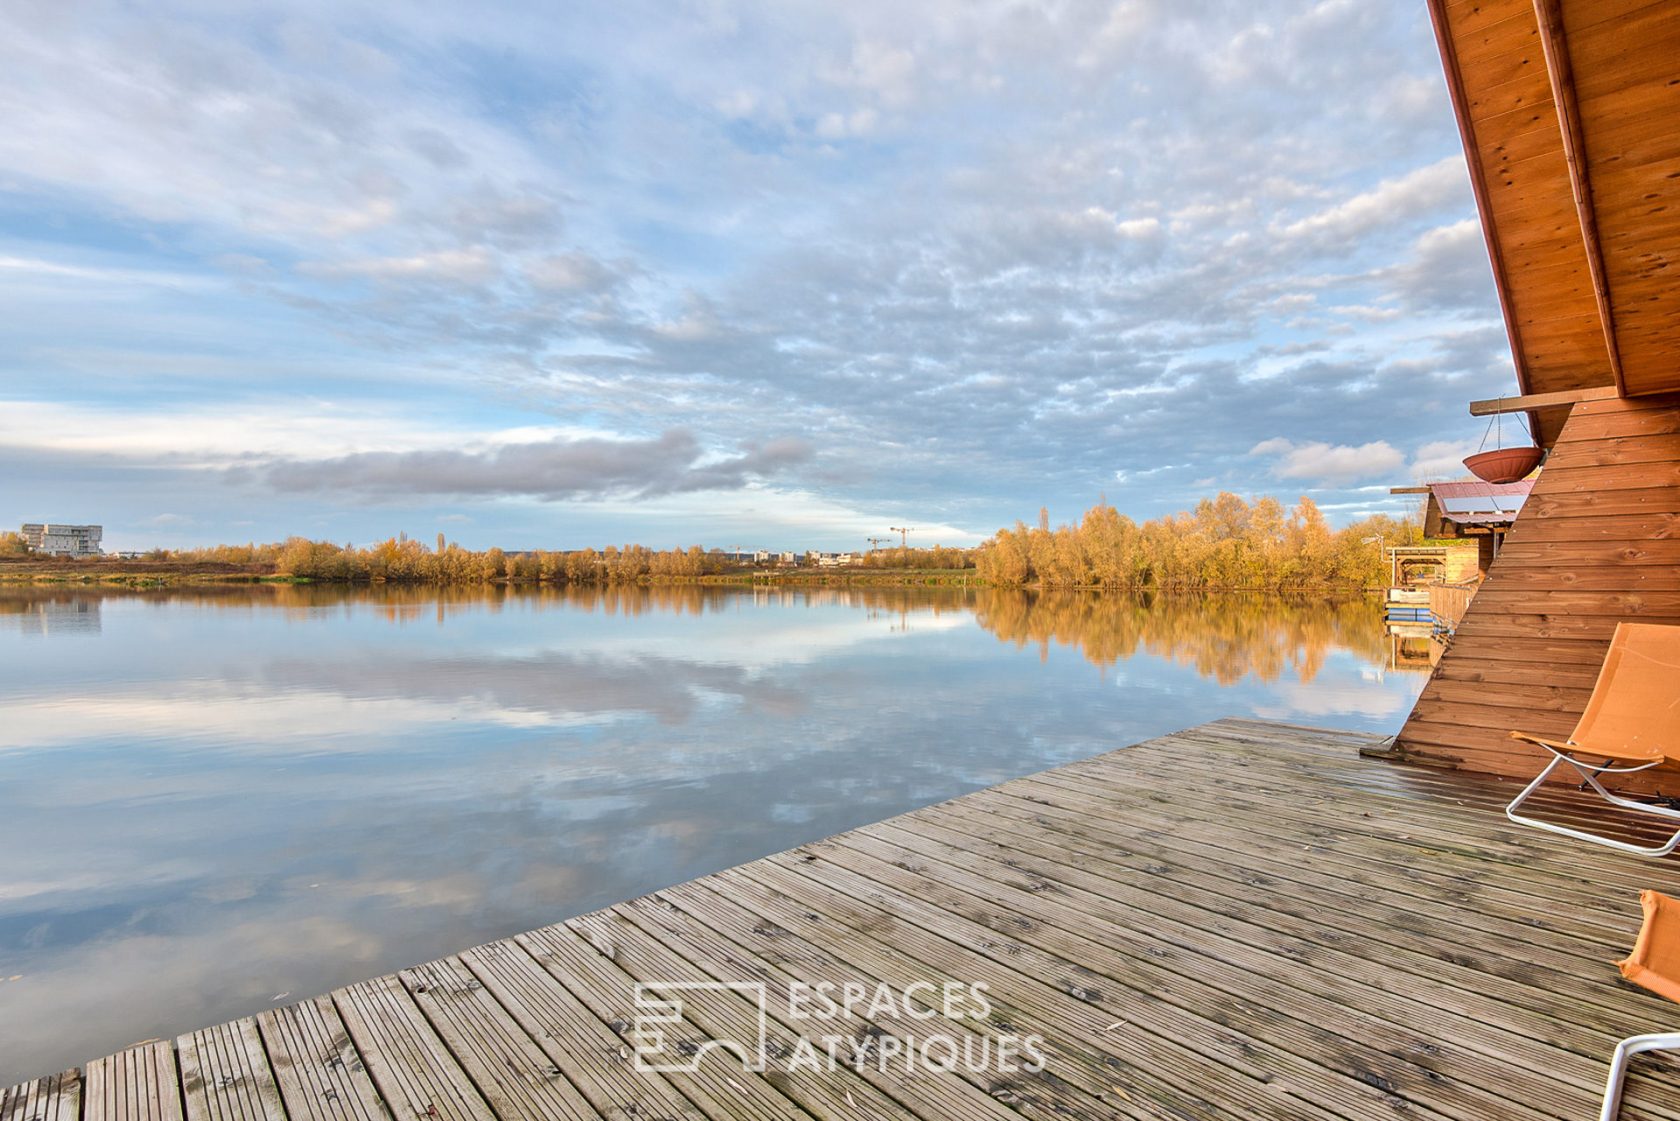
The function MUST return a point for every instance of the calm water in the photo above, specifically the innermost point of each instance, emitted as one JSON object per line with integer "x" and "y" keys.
{"x": 213, "y": 802}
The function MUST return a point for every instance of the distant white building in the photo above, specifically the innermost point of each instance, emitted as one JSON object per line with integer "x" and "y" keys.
{"x": 830, "y": 560}
{"x": 63, "y": 540}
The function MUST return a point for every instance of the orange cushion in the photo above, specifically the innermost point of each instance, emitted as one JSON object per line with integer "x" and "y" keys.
{"x": 1655, "y": 961}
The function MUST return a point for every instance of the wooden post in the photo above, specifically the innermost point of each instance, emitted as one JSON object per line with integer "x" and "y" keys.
{"x": 1487, "y": 547}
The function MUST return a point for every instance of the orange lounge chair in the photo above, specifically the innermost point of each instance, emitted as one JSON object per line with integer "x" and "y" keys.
{"x": 1632, "y": 721}
{"x": 1655, "y": 964}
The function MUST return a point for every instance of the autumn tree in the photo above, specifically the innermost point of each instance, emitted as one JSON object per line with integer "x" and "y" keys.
{"x": 1223, "y": 542}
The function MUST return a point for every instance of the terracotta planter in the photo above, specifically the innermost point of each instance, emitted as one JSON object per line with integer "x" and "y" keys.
{"x": 1503, "y": 465}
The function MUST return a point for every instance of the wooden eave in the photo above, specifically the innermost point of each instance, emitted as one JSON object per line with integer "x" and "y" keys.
{"x": 1570, "y": 116}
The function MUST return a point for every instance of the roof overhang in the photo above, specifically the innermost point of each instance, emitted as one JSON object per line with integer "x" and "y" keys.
{"x": 1568, "y": 109}
{"x": 1454, "y": 509}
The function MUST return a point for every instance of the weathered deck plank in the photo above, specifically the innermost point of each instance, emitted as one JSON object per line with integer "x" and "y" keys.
{"x": 593, "y": 975}
{"x": 225, "y": 1075}
{"x": 320, "y": 1075}
{"x": 1333, "y": 1005}
{"x": 415, "y": 1073}
{"x": 1243, "y": 919}
{"x": 139, "y": 1084}
{"x": 57, "y": 1097}
{"x": 693, "y": 915}
{"x": 1152, "y": 1061}
{"x": 504, "y": 1061}
{"x": 587, "y": 1050}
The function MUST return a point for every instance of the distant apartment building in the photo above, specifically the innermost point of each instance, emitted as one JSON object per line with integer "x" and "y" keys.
{"x": 63, "y": 540}
{"x": 830, "y": 560}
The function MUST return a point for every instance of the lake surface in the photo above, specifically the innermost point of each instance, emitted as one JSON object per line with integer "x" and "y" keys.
{"x": 213, "y": 802}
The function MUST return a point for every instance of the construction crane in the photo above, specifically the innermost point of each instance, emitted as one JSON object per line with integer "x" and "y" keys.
{"x": 903, "y": 534}
{"x": 875, "y": 542}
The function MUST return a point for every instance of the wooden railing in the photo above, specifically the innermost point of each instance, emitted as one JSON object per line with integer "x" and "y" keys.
{"x": 1449, "y": 602}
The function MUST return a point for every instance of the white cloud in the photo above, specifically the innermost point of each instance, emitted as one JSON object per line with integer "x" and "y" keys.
{"x": 1390, "y": 203}
{"x": 570, "y": 272}
{"x": 177, "y": 121}
{"x": 211, "y": 435}
{"x": 1124, "y": 476}
{"x": 1138, "y": 227}
{"x": 885, "y": 71}
{"x": 1447, "y": 268}
{"x": 765, "y": 513}
{"x": 556, "y": 469}
{"x": 1338, "y": 463}
{"x": 473, "y": 265}
{"x": 36, "y": 271}
{"x": 1441, "y": 460}
{"x": 840, "y": 126}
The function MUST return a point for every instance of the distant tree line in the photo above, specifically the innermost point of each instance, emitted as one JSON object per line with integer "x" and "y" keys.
{"x": 401, "y": 560}
{"x": 941, "y": 557}
{"x": 1225, "y": 542}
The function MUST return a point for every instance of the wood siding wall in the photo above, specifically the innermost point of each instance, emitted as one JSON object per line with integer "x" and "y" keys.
{"x": 1597, "y": 542}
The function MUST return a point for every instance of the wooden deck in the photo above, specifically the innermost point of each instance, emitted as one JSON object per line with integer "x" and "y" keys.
{"x": 1239, "y": 920}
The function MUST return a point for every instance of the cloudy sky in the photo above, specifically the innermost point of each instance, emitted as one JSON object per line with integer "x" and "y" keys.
{"x": 724, "y": 271}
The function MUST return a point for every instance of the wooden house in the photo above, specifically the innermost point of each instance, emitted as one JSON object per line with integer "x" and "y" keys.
{"x": 1570, "y": 114}
{"x": 1473, "y": 511}
{"x": 1418, "y": 566}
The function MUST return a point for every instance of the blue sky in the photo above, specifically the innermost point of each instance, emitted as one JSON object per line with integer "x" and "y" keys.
{"x": 772, "y": 274}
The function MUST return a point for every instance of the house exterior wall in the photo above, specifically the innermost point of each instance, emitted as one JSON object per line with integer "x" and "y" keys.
{"x": 1597, "y": 542}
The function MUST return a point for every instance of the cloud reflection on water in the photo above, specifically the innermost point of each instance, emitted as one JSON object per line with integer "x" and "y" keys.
{"x": 229, "y": 795}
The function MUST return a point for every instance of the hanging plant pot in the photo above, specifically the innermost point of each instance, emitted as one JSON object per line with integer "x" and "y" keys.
{"x": 1504, "y": 465}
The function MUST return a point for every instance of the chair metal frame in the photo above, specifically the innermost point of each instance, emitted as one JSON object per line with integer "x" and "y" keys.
{"x": 1589, "y": 774}
{"x": 1643, "y": 658}
{"x": 1625, "y": 1050}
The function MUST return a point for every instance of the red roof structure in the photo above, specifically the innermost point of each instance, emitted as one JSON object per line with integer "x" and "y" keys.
{"x": 1453, "y": 507}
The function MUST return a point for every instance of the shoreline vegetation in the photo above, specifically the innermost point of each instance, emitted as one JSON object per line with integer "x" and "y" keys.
{"x": 1225, "y": 543}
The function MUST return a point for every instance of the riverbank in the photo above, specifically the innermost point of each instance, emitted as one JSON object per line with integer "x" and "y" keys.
{"x": 28, "y": 570}
{"x": 168, "y": 572}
